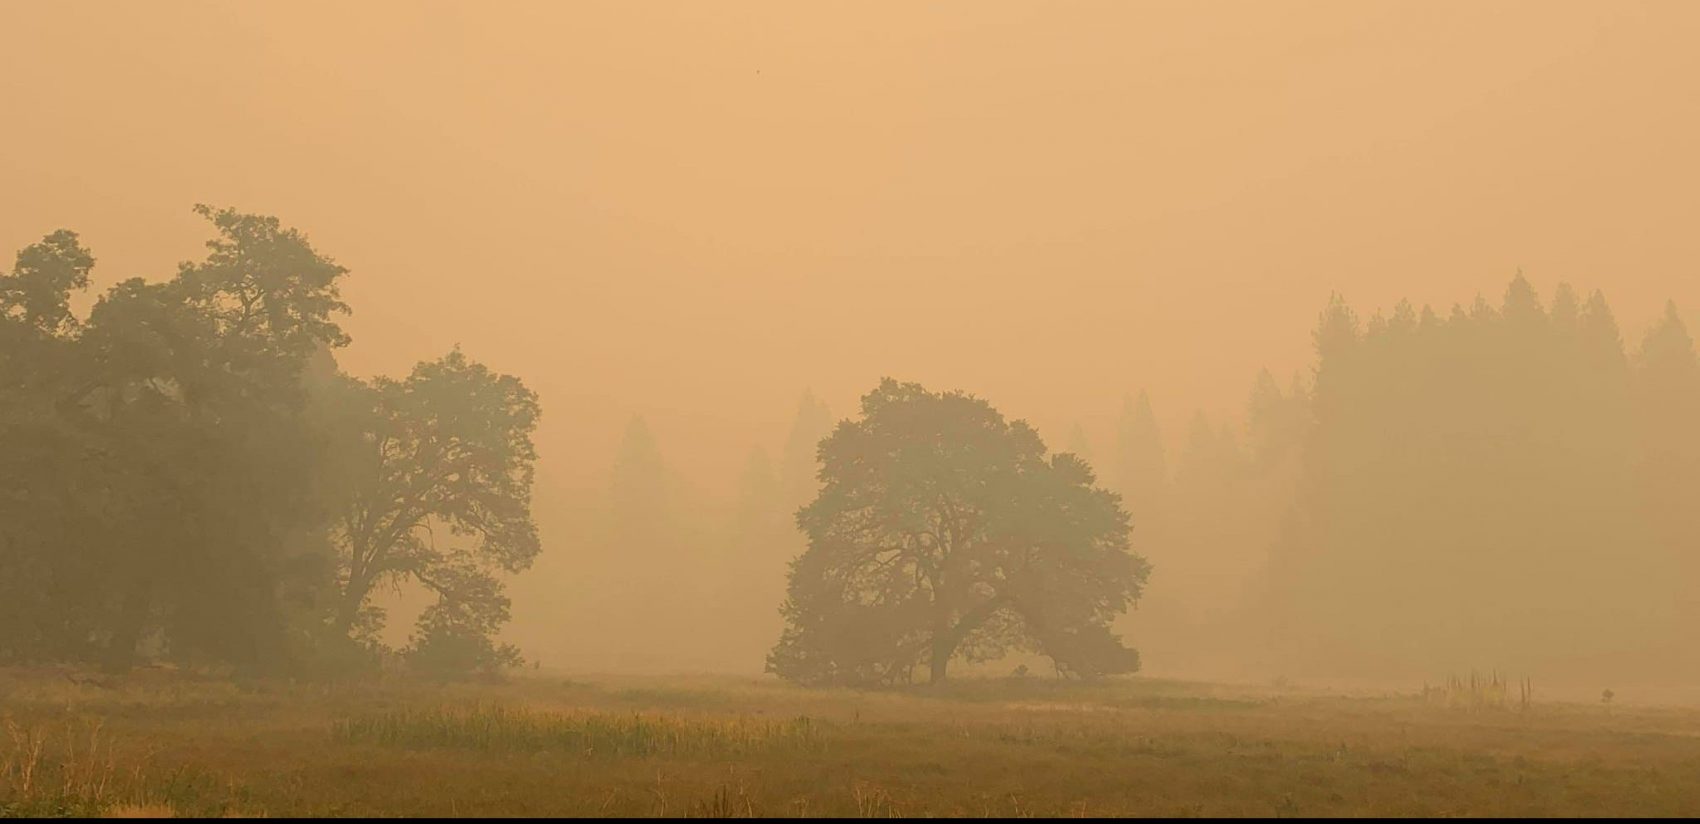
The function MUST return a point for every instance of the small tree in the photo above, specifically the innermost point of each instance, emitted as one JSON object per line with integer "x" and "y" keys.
{"x": 942, "y": 529}
{"x": 455, "y": 635}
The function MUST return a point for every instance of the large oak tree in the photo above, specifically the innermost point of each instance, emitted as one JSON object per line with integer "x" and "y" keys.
{"x": 943, "y": 530}
{"x": 446, "y": 449}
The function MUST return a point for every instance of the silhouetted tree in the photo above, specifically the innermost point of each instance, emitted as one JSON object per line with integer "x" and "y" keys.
{"x": 638, "y": 492}
{"x": 454, "y": 635}
{"x": 186, "y": 471}
{"x": 37, "y": 292}
{"x": 943, "y": 529}
{"x": 1276, "y": 421}
{"x": 1666, "y": 385}
{"x": 1467, "y": 492}
{"x": 184, "y": 461}
{"x": 656, "y": 572}
{"x": 760, "y": 541}
{"x": 447, "y": 447}
{"x": 53, "y": 567}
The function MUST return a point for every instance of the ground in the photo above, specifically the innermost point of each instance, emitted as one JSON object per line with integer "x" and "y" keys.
{"x": 162, "y": 743}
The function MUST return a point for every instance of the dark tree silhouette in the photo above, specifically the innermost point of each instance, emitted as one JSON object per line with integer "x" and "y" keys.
{"x": 449, "y": 446}
{"x": 943, "y": 529}
{"x": 1141, "y": 466}
{"x": 170, "y": 468}
{"x": 185, "y": 471}
{"x": 1468, "y": 489}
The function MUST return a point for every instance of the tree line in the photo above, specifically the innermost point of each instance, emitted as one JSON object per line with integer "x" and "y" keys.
{"x": 185, "y": 473}
{"x": 1510, "y": 484}
{"x": 1507, "y": 483}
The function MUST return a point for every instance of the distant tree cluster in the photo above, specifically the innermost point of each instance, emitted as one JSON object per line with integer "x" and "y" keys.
{"x": 185, "y": 473}
{"x": 1501, "y": 484}
{"x": 716, "y": 568}
{"x": 1505, "y": 485}
{"x": 1203, "y": 514}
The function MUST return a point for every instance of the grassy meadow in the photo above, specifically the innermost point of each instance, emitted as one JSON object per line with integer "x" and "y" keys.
{"x": 162, "y": 743}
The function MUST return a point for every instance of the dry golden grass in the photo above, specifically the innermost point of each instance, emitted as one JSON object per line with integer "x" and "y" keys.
{"x": 494, "y": 727}
{"x": 720, "y": 747}
{"x": 140, "y": 811}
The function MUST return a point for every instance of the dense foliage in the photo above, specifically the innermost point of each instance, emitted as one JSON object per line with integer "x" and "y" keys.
{"x": 184, "y": 473}
{"x": 941, "y": 529}
{"x": 1503, "y": 484}
{"x": 1506, "y": 485}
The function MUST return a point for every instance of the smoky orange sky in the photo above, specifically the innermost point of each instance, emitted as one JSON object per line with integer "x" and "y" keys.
{"x": 693, "y": 211}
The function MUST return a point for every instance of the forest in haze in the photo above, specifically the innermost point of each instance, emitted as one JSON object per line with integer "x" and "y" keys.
{"x": 237, "y": 580}
{"x": 596, "y": 408}
{"x": 189, "y": 477}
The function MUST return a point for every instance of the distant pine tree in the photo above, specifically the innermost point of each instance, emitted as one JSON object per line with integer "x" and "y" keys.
{"x": 1666, "y": 383}
{"x": 1565, "y": 314}
{"x": 1274, "y": 421}
{"x": 650, "y": 581}
{"x": 1078, "y": 445}
{"x": 638, "y": 495}
{"x": 1467, "y": 491}
{"x": 798, "y": 467}
{"x": 1140, "y": 470}
{"x": 1522, "y": 305}
{"x": 761, "y": 542}
{"x": 1599, "y": 333}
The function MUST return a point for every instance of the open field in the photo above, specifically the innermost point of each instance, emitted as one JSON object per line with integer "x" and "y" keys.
{"x": 161, "y": 743}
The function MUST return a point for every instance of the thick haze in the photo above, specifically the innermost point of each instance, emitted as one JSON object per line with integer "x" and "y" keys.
{"x": 693, "y": 211}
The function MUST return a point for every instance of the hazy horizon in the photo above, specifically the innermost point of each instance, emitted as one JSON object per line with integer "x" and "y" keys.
{"x": 693, "y": 213}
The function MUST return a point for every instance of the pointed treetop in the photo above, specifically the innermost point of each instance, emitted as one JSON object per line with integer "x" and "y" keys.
{"x": 1376, "y": 326}
{"x": 1140, "y": 409}
{"x": 638, "y": 445}
{"x": 1265, "y": 394}
{"x": 1521, "y": 303}
{"x": 1668, "y": 346}
{"x": 639, "y": 487}
{"x": 1336, "y": 328}
{"x": 1139, "y": 467}
{"x": 1564, "y": 308}
{"x": 797, "y": 468}
{"x": 1481, "y": 310}
{"x": 1404, "y": 317}
{"x": 1598, "y": 324}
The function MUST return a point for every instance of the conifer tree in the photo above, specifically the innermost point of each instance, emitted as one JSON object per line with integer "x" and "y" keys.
{"x": 1078, "y": 445}
{"x": 798, "y": 467}
{"x": 1141, "y": 471}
